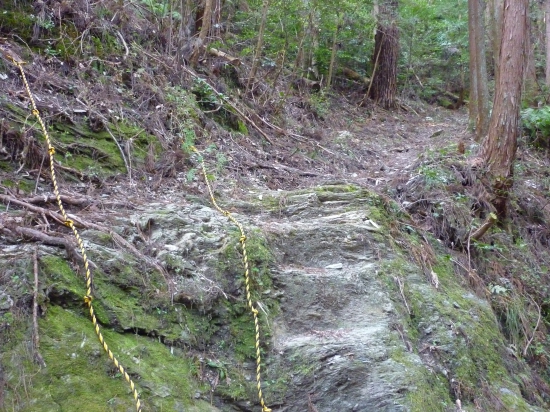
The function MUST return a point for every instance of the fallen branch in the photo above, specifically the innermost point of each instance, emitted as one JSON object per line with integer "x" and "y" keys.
{"x": 82, "y": 223}
{"x": 218, "y": 53}
{"x": 123, "y": 43}
{"x": 353, "y": 75}
{"x": 128, "y": 169}
{"x": 490, "y": 221}
{"x": 12, "y": 229}
{"x": 36, "y": 209}
{"x": 534, "y": 330}
{"x": 67, "y": 200}
{"x": 278, "y": 166}
{"x": 82, "y": 202}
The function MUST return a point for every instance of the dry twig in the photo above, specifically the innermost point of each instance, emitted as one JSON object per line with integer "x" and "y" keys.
{"x": 402, "y": 292}
{"x": 535, "y": 329}
{"x": 35, "y": 337}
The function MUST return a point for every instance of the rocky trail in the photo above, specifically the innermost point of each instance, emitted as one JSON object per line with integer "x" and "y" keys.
{"x": 359, "y": 310}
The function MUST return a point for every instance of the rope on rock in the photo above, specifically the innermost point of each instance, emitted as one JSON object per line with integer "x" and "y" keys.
{"x": 69, "y": 223}
{"x": 242, "y": 240}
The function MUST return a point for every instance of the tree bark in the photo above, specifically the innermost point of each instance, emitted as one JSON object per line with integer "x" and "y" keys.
{"x": 479, "y": 92}
{"x": 383, "y": 88}
{"x": 203, "y": 21}
{"x": 496, "y": 10}
{"x": 547, "y": 26}
{"x": 499, "y": 149}
{"x": 259, "y": 45}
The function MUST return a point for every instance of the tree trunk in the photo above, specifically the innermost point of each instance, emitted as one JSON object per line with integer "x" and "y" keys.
{"x": 547, "y": 24}
{"x": 334, "y": 50}
{"x": 496, "y": 9}
{"x": 383, "y": 87}
{"x": 479, "y": 92}
{"x": 259, "y": 45}
{"x": 530, "y": 85}
{"x": 499, "y": 149}
{"x": 203, "y": 20}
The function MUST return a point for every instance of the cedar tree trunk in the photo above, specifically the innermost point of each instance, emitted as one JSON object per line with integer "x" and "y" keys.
{"x": 479, "y": 91}
{"x": 386, "y": 50}
{"x": 499, "y": 149}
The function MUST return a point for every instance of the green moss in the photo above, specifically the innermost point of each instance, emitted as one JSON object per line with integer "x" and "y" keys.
{"x": 430, "y": 393}
{"x": 237, "y": 388}
{"x": 63, "y": 283}
{"x": 24, "y": 184}
{"x": 18, "y": 18}
{"x": 79, "y": 374}
{"x": 241, "y": 127}
{"x": 93, "y": 152}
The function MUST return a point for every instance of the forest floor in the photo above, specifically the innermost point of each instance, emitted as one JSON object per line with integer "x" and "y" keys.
{"x": 380, "y": 149}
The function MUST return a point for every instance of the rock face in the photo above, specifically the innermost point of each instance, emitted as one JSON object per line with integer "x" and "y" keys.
{"x": 358, "y": 313}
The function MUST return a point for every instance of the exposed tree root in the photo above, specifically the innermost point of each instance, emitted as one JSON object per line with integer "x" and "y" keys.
{"x": 56, "y": 241}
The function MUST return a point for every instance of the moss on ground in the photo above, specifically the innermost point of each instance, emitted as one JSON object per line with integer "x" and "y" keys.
{"x": 145, "y": 331}
{"x": 94, "y": 153}
{"x": 79, "y": 374}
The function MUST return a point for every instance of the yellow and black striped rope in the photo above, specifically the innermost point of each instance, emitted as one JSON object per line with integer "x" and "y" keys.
{"x": 254, "y": 311}
{"x": 69, "y": 223}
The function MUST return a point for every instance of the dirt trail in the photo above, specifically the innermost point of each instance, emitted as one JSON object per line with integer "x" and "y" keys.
{"x": 374, "y": 150}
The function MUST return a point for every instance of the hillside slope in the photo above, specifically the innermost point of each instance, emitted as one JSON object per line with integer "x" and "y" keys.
{"x": 370, "y": 292}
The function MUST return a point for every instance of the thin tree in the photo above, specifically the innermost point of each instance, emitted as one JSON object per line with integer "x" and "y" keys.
{"x": 203, "y": 21}
{"x": 259, "y": 46}
{"x": 479, "y": 92}
{"x": 383, "y": 87}
{"x": 547, "y": 26}
{"x": 499, "y": 148}
{"x": 334, "y": 49}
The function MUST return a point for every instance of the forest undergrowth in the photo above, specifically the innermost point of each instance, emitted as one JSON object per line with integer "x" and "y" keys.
{"x": 124, "y": 115}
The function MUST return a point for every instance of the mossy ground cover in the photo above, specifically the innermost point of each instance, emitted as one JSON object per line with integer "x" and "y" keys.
{"x": 78, "y": 373}
{"x": 449, "y": 326}
{"x": 156, "y": 340}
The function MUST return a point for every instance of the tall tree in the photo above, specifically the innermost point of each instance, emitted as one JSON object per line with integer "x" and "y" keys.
{"x": 383, "y": 86}
{"x": 203, "y": 22}
{"x": 479, "y": 92}
{"x": 499, "y": 148}
{"x": 547, "y": 21}
{"x": 259, "y": 46}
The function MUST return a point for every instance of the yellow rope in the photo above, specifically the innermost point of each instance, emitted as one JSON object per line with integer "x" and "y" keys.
{"x": 254, "y": 311}
{"x": 69, "y": 223}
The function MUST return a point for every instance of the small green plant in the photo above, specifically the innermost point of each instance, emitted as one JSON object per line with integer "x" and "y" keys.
{"x": 207, "y": 97}
{"x": 536, "y": 123}
{"x": 433, "y": 176}
{"x": 160, "y": 9}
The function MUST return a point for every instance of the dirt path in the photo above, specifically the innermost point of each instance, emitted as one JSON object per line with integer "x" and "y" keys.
{"x": 349, "y": 146}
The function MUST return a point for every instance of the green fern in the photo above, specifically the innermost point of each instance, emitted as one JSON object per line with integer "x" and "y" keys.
{"x": 536, "y": 123}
